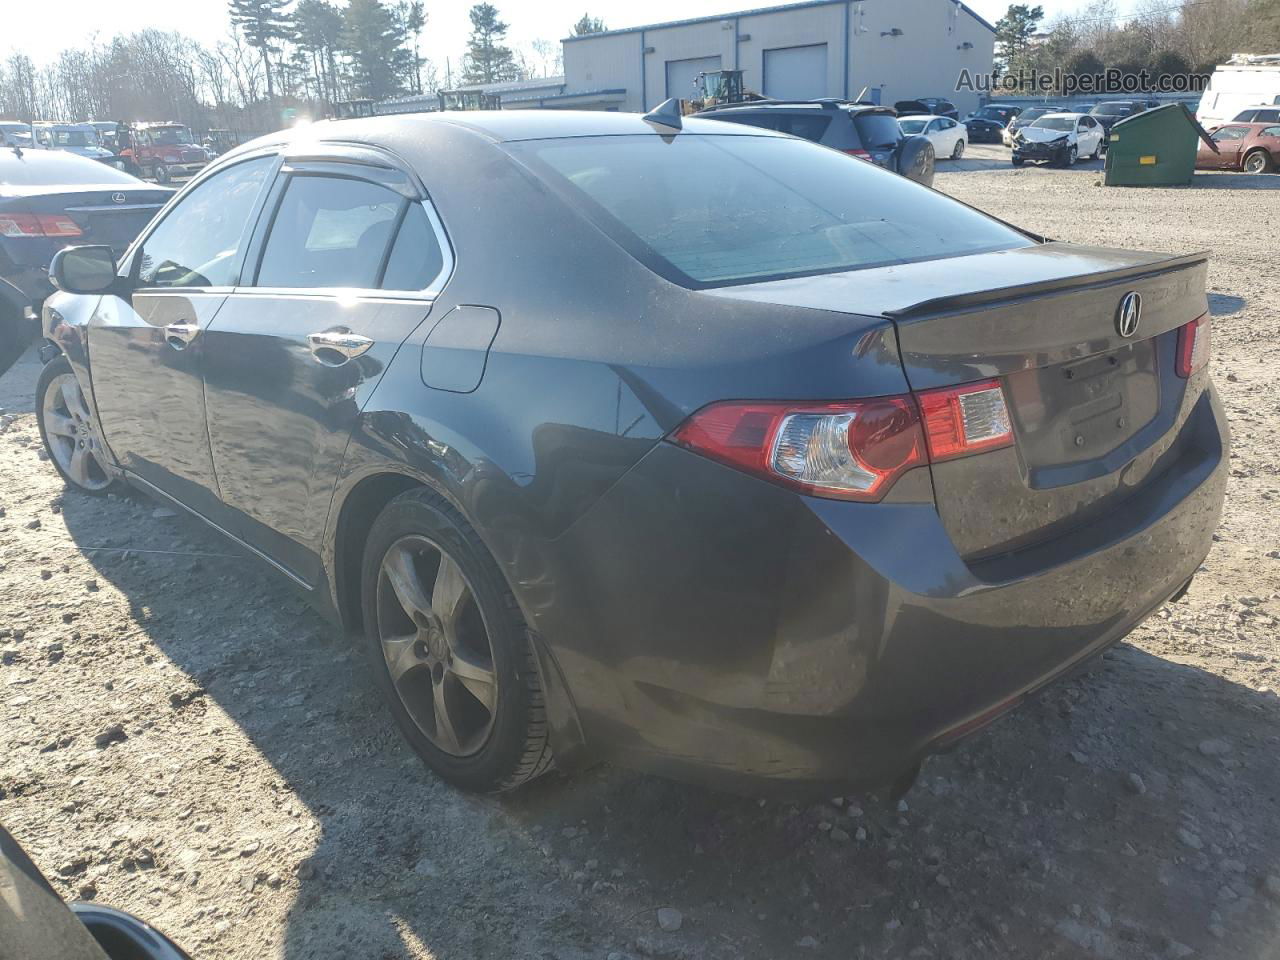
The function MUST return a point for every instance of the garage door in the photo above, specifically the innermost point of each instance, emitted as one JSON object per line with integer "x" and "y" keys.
{"x": 681, "y": 75}
{"x": 796, "y": 73}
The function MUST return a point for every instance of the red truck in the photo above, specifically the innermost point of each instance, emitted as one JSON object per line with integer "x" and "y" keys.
{"x": 163, "y": 151}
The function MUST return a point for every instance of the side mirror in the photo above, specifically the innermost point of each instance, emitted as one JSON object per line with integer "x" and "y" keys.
{"x": 89, "y": 269}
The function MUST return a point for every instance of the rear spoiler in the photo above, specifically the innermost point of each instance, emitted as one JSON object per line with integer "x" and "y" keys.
{"x": 1000, "y": 295}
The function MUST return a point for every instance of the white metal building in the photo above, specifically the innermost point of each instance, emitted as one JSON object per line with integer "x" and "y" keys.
{"x": 894, "y": 49}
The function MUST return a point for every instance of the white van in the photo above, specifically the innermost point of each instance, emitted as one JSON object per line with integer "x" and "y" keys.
{"x": 1243, "y": 81}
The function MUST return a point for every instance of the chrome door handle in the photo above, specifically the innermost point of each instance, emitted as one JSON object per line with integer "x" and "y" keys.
{"x": 333, "y": 348}
{"x": 180, "y": 335}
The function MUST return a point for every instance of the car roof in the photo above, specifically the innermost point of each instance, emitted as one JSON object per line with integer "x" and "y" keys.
{"x": 509, "y": 125}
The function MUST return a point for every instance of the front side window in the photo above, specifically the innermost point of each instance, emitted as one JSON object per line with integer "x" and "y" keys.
{"x": 760, "y": 208}
{"x": 198, "y": 242}
{"x": 1270, "y": 132}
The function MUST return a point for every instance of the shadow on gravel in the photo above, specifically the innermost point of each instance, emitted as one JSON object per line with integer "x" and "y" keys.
{"x": 1131, "y": 811}
{"x": 1224, "y": 304}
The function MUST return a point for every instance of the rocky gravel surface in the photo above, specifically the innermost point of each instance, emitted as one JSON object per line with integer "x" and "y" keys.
{"x": 181, "y": 737}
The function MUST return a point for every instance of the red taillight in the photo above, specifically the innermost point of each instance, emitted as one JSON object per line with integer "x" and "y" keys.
{"x": 854, "y": 450}
{"x": 860, "y": 154}
{"x": 967, "y": 419}
{"x": 19, "y": 225}
{"x": 42, "y": 225}
{"x": 1193, "y": 346}
{"x": 850, "y": 451}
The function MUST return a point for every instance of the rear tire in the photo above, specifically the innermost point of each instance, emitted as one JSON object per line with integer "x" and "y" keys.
{"x": 439, "y": 615}
{"x": 1257, "y": 161}
{"x": 958, "y": 150}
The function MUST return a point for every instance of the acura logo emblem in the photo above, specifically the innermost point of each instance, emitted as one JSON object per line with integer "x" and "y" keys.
{"x": 117, "y": 198}
{"x": 1129, "y": 314}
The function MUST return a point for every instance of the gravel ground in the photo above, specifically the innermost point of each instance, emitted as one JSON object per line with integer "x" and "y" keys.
{"x": 183, "y": 739}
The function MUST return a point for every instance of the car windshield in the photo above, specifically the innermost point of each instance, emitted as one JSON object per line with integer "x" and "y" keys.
{"x": 912, "y": 125}
{"x": 169, "y": 136}
{"x": 1055, "y": 123}
{"x": 76, "y": 138}
{"x": 758, "y": 208}
{"x": 1034, "y": 113}
{"x": 994, "y": 113}
{"x": 1110, "y": 109}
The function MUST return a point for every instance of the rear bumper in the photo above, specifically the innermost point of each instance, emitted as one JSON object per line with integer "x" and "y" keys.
{"x": 757, "y": 640}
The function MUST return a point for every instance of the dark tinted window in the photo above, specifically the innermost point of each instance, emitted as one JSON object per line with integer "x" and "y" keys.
{"x": 760, "y": 207}
{"x": 1244, "y": 116}
{"x": 806, "y": 126}
{"x": 329, "y": 232}
{"x": 877, "y": 131}
{"x": 1267, "y": 116}
{"x": 197, "y": 243}
{"x": 416, "y": 258}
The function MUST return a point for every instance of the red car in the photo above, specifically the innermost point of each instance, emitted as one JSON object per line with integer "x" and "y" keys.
{"x": 1251, "y": 147}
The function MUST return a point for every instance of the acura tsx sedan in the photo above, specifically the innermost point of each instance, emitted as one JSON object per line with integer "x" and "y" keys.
{"x": 684, "y": 444}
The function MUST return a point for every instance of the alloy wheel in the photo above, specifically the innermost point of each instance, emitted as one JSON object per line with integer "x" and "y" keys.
{"x": 72, "y": 433}
{"x": 436, "y": 645}
{"x": 1255, "y": 163}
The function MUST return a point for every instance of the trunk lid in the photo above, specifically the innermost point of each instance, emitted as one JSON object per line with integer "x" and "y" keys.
{"x": 1093, "y": 411}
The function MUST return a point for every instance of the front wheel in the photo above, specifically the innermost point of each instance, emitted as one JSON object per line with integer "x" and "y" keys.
{"x": 449, "y": 647}
{"x": 162, "y": 174}
{"x": 1071, "y": 156}
{"x": 1018, "y": 161}
{"x": 70, "y": 430}
{"x": 1259, "y": 161}
{"x": 958, "y": 150}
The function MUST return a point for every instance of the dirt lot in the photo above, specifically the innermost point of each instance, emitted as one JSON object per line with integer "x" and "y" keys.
{"x": 181, "y": 738}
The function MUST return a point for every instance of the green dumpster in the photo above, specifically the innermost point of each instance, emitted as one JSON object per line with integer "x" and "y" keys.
{"x": 1154, "y": 149}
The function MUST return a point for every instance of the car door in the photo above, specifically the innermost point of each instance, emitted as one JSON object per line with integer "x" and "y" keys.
{"x": 346, "y": 264}
{"x": 1229, "y": 140}
{"x": 145, "y": 347}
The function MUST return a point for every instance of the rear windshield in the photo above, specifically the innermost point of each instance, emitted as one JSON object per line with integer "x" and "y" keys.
{"x": 877, "y": 131}
{"x": 707, "y": 211}
{"x": 1055, "y": 123}
{"x": 1112, "y": 109}
{"x": 994, "y": 113}
{"x": 57, "y": 168}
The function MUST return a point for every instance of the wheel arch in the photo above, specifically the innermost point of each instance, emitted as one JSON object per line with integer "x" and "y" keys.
{"x": 355, "y": 514}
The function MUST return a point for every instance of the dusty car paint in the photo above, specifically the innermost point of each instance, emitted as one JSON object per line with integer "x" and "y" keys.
{"x": 688, "y": 618}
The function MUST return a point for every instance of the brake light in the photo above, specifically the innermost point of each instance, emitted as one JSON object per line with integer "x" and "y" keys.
{"x": 59, "y": 225}
{"x": 854, "y": 450}
{"x": 967, "y": 419}
{"x": 850, "y": 451}
{"x": 860, "y": 154}
{"x": 1194, "y": 343}
{"x": 42, "y": 225}
{"x": 19, "y": 225}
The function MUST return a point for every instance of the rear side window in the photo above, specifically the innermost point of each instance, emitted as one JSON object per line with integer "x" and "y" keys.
{"x": 759, "y": 208}
{"x": 342, "y": 232}
{"x": 1268, "y": 116}
{"x": 330, "y": 232}
{"x": 1244, "y": 116}
{"x": 806, "y": 127}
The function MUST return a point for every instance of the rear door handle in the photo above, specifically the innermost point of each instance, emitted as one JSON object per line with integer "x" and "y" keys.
{"x": 334, "y": 348}
{"x": 180, "y": 335}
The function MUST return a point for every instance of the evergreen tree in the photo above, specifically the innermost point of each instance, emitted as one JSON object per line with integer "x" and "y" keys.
{"x": 264, "y": 24}
{"x": 371, "y": 40}
{"x": 588, "y": 24}
{"x": 413, "y": 19}
{"x": 1013, "y": 35}
{"x": 486, "y": 60}
{"x": 318, "y": 32}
